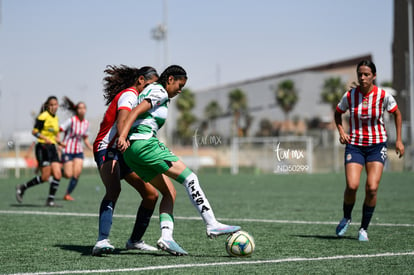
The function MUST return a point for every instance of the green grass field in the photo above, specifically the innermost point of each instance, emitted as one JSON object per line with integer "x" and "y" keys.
{"x": 292, "y": 218}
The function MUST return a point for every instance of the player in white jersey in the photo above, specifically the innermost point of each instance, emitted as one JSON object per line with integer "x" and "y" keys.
{"x": 75, "y": 130}
{"x": 366, "y": 143}
{"x": 152, "y": 160}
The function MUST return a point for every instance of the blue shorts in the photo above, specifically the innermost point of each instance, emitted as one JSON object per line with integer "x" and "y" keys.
{"x": 112, "y": 154}
{"x": 70, "y": 157}
{"x": 364, "y": 154}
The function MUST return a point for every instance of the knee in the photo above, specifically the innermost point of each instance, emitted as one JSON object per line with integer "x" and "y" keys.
{"x": 154, "y": 197}
{"x": 371, "y": 191}
{"x": 151, "y": 197}
{"x": 67, "y": 174}
{"x": 351, "y": 189}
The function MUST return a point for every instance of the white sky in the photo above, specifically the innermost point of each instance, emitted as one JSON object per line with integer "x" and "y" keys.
{"x": 57, "y": 47}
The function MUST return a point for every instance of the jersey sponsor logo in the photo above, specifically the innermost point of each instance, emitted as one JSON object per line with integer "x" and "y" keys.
{"x": 365, "y": 117}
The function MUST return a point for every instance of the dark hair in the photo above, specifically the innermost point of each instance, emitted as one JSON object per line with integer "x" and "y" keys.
{"x": 368, "y": 63}
{"x": 70, "y": 105}
{"x": 46, "y": 103}
{"x": 122, "y": 77}
{"x": 175, "y": 71}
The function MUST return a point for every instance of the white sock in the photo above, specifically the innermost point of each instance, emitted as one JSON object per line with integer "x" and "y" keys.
{"x": 199, "y": 200}
{"x": 167, "y": 226}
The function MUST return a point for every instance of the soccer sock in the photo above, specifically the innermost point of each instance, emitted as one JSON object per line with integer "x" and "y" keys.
{"x": 141, "y": 223}
{"x": 54, "y": 185}
{"x": 72, "y": 184}
{"x": 105, "y": 219}
{"x": 348, "y": 210}
{"x": 35, "y": 181}
{"x": 197, "y": 196}
{"x": 167, "y": 226}
{"x": 367, "y": 212}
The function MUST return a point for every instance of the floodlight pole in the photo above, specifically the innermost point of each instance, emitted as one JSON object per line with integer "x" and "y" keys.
{"x": 165, "y": 24}
{"x": 160, "y": 34}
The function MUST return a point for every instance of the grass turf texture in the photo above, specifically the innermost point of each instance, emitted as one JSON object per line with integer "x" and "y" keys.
{"x": 270, "y": 207}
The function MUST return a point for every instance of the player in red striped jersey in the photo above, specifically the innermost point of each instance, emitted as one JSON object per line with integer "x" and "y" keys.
{"x": 121, "y": 87}
{"x": 366, "y": 142}
{"x": 75, "y": 131}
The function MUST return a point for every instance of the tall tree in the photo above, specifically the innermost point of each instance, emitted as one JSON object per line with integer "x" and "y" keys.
{"x": 238, "y": 108}
{"x": 286, "y": 96}
{"x": 211, "y": 112}
{"x": 185, "y": 103}
{"x": 332, "y": 91}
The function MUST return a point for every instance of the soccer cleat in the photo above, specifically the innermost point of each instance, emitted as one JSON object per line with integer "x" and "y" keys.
{"x": 51, "y": 203}
{"x": 102, "y": 247}
{"x": 171, "y": 247}
{"x": 140, "y": 245}
{"x": 363, "y": 235}
{"x": 68, "y": 197}
{"x": 19, "y": 193}
{"x": 342, "y": 227}
{"x": 222, "y": 229}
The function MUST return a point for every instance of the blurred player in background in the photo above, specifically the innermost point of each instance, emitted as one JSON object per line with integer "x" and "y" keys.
{"x": 121, "y": 88}
{"x": 46, "y": 130}
{"x": 75, "y": 131}
{"x": 366, "y": 142}
{"x": 153, "y": 161}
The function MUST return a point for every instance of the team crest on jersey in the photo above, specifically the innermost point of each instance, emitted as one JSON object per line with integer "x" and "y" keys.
{"x": 348, "y": 157}
{"x": 365, "y": 103}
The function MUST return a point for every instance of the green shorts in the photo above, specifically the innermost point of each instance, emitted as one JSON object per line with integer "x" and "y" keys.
{"x": 148, "y": 158}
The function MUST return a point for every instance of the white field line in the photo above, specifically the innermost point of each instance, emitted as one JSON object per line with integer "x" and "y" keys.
{"x": 23, "y": 212}
{"x": 259, "y": 262}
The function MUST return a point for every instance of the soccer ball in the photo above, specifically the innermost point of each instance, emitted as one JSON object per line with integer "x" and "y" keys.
{"x": 240, "y": 244}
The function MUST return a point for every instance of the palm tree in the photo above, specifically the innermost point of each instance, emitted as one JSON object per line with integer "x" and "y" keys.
{"x": 238, "y": 108}
{"x": 184, "y": 122}
{"x": 286, "y": 96}
{"x": 211, "y": 112}
{"x": 332, "y": 91}
{"x": 185, "y": 103}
